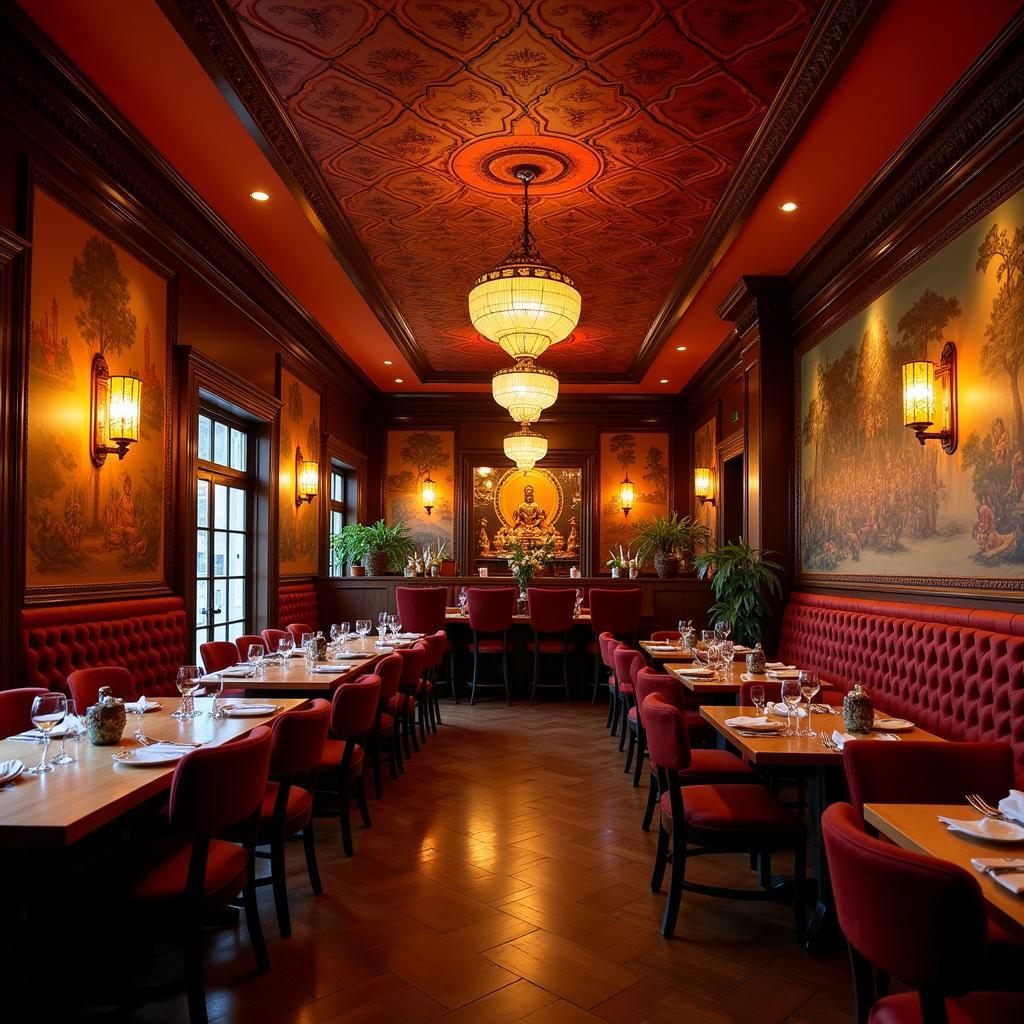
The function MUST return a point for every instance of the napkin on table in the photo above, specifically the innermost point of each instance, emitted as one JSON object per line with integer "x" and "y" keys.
{"x": 840, "y": 738}
{"x": 756, "y": 724}
{"x": 996, "y": 869}
{"x": 777, "y": 666}
{"x": 697, "y": 671}
{"x": 1013, "y": 805}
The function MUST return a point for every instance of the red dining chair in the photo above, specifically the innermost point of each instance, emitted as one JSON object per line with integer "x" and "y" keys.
{"x": 664, "y": 634}
{"x": 490, "y": 618}
{"x": 707, "y": 766}
{"x": 433, "y": 654}
{"x": 16, "y": 708}
{"x": 385, "y": 730}
{"x": 272, "y": 637}
{"x": 615, "y": 611}
{"x": 180, "y": 881}
{"x": 714, "y": 818}
{"x": 405, "y": 703}
{"x": 243, "y": 642}
{"x": 626, "y": 662}
{"x": 218, "y": 655}
{"x": 353, "y": 714}
{"x": 422, "y": 609}
{"x": 297, "y": 629}
{"x": 552, "y": 610}
{"x": 917, "y": 919}
{"x": 84, "y": 685}
{"x": 607, "y": 645}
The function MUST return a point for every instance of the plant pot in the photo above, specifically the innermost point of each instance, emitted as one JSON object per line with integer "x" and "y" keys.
{"x": 616, "y": 572}
{"x": 433, "y": 570}
{"x": 666, "y": 565}
{"x": 357, "y": 570}
{"x": 378, "y": 563}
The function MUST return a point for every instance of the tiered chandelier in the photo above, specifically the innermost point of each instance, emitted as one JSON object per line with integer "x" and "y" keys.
{"x": 525, "y": 306}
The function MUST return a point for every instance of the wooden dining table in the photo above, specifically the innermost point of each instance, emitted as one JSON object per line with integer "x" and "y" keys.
{"x": 917, "y": 827}
{"x": 296, "y": 679}
{"x": 61, "y": 807}
{"x": 664, "y": 651}
{"x": 453, "y": 616}
{"x": 718, "y": 690}
{"x": 808, "y": 758}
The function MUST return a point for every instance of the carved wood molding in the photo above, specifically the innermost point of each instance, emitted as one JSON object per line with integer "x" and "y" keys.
{"x": 473, "y": 406}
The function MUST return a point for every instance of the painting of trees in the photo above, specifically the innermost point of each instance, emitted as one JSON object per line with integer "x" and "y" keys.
{"x": 105, "y": 319}
{"x": 623, "y": 447}
{"x": 656, "y": 473}
{"x": 424, "y": 451}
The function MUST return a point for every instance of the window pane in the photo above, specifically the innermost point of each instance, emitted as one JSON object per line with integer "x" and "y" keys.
{"x": 236, "y": 499}
{"x": 202, "y": 597}
{"x": 204, "y": 438}
{"x": 220, "y": 506}
{"x": 236, "y": 599}
{"x": 220, "y": 554}
{"x": 220, "y": 444}
{"x": 237, "y": 564}
{"x": 202, "y": 552}
{"x": 220, "y": 632}
{"x": 202, "y": 635}
{"x": 337, "y": 487}
{"x": 203, "y": 503}
{"x": 237, "y": 449}
{"x": 220, "y": 605}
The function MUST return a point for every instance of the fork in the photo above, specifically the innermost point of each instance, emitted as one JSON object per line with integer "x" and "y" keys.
{"x": 983, "y": 807}
{"x": 827, "y": 742}
{"x": 148, "y": 741}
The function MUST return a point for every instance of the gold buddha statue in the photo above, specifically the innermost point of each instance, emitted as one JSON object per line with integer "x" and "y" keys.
{"x": 529, "y": 525}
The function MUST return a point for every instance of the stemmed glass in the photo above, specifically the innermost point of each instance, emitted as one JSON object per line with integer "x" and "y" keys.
{"x": 395, "y": 623}
{"x": 285, "y": 646}
{"x": 254, "y": 655}
{"x": 71, "y": 725}
{"x": 188, "y": 682}
{"x": 809, "y": 687}
{"x": 704, "y": 656}
{"x": 214, "y": 688}
{"x": 336, "y": 635}
{"x": 464, "y": 598}
{"x": 757, "y": 696}
{"x": 682, "y": 632}
{"x": 363, "y": 628}
{"x": 346, "y": 632}
{"x": 139, "y": 709}
{"x": 726, "y": 655}
{"x": 722, "y": 629}
{"x": 791, "y": 698}
{"x": 48, "y": 711}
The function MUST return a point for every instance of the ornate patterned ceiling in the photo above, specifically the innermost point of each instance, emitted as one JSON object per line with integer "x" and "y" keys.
{"x": 639, "y": 111}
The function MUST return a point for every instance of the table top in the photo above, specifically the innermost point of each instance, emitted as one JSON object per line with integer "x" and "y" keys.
{"x": 916, "y": 827}
{"x": 789, "y": 750}
{"x": 62, "y": 806}
{"x": 454, "y": 615}
{"x": 297, "y": 679}
{"x": 651, "y": 648}
{"x": 696, "y": 684}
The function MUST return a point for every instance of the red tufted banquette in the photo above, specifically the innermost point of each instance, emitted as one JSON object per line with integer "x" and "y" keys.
{"x": 957, "y": 672}
{"x": 145, "y": 636}
{"x": 297, "y": 602}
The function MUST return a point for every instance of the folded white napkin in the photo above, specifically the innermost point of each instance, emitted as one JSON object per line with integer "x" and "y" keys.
{"x": 409, "y": 636}
{"x": 1013, "y": 805}
{"x": 991, "y": 829}
{"x": 236, "y": 671}
{"x": 1007, "y": 871}
{"x": 782, "y": 709}
{"x": 749, "y": 722}
{"x": 662, "y": 647}
{"x": 696, "y": 671}
{"x": 36, "y": 736}
{"x": 777, "y": 666}
{"x": 133, "y": 706}
{"x": 10, "y": 769}
{"x": 840, "y": 738}
{"x": 329, "y": 670}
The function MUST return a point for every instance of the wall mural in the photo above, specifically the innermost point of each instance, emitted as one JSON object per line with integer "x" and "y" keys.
{"x": 412, "y": 455}
{"x": 705, "y": 441}
{"x": 300, "y": 428}
{"x": 90, "y": 527}
{"x": 645, "y": 457}
{"x": 875, "y": 503}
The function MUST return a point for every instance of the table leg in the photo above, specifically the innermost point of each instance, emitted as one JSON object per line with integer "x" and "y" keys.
{"x": 826, "y": 785}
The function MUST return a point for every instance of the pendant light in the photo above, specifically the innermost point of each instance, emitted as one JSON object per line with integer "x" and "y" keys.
{"x": 525, "y": 390}
{"x": 525, "y": 448}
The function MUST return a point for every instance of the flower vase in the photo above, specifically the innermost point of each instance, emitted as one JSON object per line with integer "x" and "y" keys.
{"x": 616, "y": 571}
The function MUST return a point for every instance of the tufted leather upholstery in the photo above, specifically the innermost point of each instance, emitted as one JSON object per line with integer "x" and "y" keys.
{"x": 145, "y": 636}
{"x": 957, "y": 672}
{"x": 297, "y": 602}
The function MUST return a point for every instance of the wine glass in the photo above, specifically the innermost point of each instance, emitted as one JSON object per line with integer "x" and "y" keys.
{"x": 809, "y": 687}
{"x": 726, "y": 654}
{"x": 187, "y": 682}
{"x": 285, "y": 646}
{"x": 48, "y": 711}
{"x": 707, "y": 636}
{"x": 396, "y": 625}
{"x": 254, "y": 655}
{"x": 722, "y": 629}
{"x": 214, "y": 686}
{"x": 346, "y": 632}
{"x": 703, "y": 657}
{"x": 70, "y": 727}
{"x": 382, "y": 620}
{"x": 757, "y": 696}
{"x": 791, "y": 698}
{"x": 681, "y": 626}
{"x": 139, "y": 708}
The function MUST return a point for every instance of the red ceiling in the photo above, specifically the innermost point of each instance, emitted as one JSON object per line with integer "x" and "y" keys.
{"x": 913, "y": 54}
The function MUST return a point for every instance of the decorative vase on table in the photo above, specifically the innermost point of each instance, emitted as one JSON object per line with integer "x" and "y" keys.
{"x": 756, "y": 661}
{"x": 104, "y": 721}
{"x": 858, "y": 711}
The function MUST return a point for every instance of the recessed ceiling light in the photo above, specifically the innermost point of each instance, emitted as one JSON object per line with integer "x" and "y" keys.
{"x": 260, "y": 197}
{"x": 664, "y": 380}
{"x": 387, "y": 362}
{"x": 789, "y": 206}
{"x": 680, "y": 348}
{"x": 399, "y": 380}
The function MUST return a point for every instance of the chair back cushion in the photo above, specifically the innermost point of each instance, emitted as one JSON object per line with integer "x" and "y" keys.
{"x": 412, "y": 667}
{"x": 422, "y": 609}
{"x": 957, "y": 672}
{"x": 667, "y": 739}
{"x": 243, "y": 642}
{"x": 272, "y": 637}
{"x": 919, "y": 919}
{"x": 86, "y": 682}
{"x": 298, "y": 602}
{"x": 926, "y": 772}
{"x": 665, "y": 634}
{"x": 297, "y": 629}
{"x": 491, "y": 608}
{"x": 389, "y": 671}
{"x": 218, "y": 655}
{"x": 297, "y": 742}
{"x": 215, "y": 788}
{"x": 354, "y": 708}
{"x": 627, "y": 663}
{"x": 551, "y": 608}
{"x": 648, "y": 681}
{"x": 433, "y": 644}
{"x": 145, "y": 636}
{"x": 616, "y": 610}
{"x": 16, "y": 709}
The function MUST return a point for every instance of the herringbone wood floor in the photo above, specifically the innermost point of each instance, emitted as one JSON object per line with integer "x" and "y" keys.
{"x": 505, "y": 879}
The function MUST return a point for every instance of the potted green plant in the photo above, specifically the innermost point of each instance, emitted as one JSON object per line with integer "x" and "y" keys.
{"x": 388, "y": 544}
{"x": 350, "y": 546}
{"x": 743, "y": 580}
{"x": 670, "y": 541}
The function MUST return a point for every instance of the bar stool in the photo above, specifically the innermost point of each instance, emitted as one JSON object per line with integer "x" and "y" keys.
{"x": 490, "y": 613}
{"x": 615, "y": 611}
{"x": 552, "y": 611}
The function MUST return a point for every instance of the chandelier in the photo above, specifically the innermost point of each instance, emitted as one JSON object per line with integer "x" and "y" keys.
{"x": 525, "y": 390}
{"x": 525, "y": 448}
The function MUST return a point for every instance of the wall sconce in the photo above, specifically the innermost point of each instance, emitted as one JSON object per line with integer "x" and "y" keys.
{"x": 428, "y": 492}
{"x": 920, "y": 408}
{"x": 307, "y": 479}
{"x": 115, "y": 412}
{"x": 626, "y": 495}
{"x": 704, "y": 485}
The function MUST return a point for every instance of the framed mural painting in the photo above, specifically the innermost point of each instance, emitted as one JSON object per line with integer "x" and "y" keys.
{"x": 876, "y": 506}
{"x": 412, "y": 456}
{"x": 644, "y": 456}
{"x": 94, "y": 530}
{"x": 299, "y": 439}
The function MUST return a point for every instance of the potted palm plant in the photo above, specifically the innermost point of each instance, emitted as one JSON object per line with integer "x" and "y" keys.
{"x": 388, "y": 545}
{"x": 743, "y": 580}
{"x": 670, "y": 541}
{"x": 350, "y": 546}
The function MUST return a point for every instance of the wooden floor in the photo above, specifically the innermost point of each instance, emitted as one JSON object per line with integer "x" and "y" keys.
{"x": 505, "y": 879}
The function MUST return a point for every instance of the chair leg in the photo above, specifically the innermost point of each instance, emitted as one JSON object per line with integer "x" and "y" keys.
{"x": 610, "y": 722}
{"x": 536, "y": 668}
{"x": 597, "y": 677}
{"x": 195, "y": 988}
{"x": 504, "y": 668}
{"x": 660, "y": 858}
{"x": 565, "y": 669}
{"x": 675, "y": 885}
{"x": 378, "y": 787}
{"x": 410, "y": 724}
{"x": 421, "y": 710}
{"x": 630, "y": 752}
{"x": 437, "y": 707}
{"x": 652, "y": 802}
{"x": 641, "y": 750}
{"x": 622, "y": 713}
{"x": 476, "y": 671}
{"x": 279, "y": 883}
{"x": 397, "y": 762}
{"x": 345, "y": 821}
{"x": 364, "y": 808}
{"x": 800, "y": 890}
{"x": 252, "y": 917}
{"x": 312, "y": 868}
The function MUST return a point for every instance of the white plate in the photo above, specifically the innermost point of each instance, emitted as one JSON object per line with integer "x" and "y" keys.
{"x": 892, "y": 725}
{"x": 990, "y": 829}
{"x": 148, "y": 757}
{"x": 250, "y": 710}
{"x": 10, "y": 770}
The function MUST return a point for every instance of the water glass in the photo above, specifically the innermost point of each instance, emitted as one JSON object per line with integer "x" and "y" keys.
{"x": 727, "y": 654}
{"x": 187, "y": 682}
{"x": 757, "y": 697}
{"x": 809, "y": 687}
{"x": 285, "y": 646}
{"x": 214, "y": 688}
{"x": 139, "y": 709}
{"x": 363, "y": 628}
{"x": 254, "y": 655}
{"x": 48, "y": 711}
{"x": 707, "y": 636}
{"x": 71, "y": 726}
{"x": 722, "y": 629}
{"x": 791, "y": 698}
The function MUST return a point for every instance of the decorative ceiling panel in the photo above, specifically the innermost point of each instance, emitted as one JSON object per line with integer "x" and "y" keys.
{"x": 638, "y": 111}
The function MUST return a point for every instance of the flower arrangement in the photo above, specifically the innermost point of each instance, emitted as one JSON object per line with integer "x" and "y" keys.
{"x": 524, "y": 562}
{"x": 621, "y": 562}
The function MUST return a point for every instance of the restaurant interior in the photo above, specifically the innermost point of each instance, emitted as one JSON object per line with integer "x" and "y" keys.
{"x": 513, "y": 511}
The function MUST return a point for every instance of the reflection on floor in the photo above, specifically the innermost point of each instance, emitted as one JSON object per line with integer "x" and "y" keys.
{"x": 505, "y": 879}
